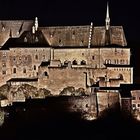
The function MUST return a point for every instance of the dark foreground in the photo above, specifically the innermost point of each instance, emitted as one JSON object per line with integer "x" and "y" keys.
{"x": 50, "y": 119}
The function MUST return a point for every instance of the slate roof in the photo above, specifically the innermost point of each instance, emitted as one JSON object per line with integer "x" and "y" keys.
{"x": 27, "y": 39}
{"x": 79, "y": 36}
{"x": 13, "y": 28}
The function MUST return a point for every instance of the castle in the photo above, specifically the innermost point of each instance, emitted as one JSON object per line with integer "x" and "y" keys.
{"x": 57, "y": 57}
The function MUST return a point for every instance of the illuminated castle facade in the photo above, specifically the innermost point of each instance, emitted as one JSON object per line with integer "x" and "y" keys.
{"x": 62, "y": 56}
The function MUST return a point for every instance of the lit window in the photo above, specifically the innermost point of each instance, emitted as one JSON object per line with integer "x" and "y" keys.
{"x": 74, "y": 62}
{"x": 43, "y": 56}
{"x": 14, "y": 58}
{"x": 36, "y": 39}
{"x": 25, "y": 39}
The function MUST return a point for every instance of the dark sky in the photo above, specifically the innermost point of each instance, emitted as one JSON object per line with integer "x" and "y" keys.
{"x": 80, "y": 12}
{"x": 71, "y": 12}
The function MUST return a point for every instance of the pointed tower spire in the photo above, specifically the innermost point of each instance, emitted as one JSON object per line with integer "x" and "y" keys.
{"x": 36, "y": 23}
{"x": 107, "y": 20}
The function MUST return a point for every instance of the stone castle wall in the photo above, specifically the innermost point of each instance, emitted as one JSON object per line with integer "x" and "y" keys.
{"x": 25, "y": 63}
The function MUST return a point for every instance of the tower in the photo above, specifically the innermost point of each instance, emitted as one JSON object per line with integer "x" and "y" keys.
{"x": 107, "y": 20}
{"x": 36, "y": 23}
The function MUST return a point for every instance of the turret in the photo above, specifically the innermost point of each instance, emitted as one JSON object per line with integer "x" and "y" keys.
{"x": 107, "y": 20}
{"x": 36, "y": 24}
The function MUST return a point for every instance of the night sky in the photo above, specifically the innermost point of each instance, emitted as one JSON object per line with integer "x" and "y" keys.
{"x": 80, "y": 12}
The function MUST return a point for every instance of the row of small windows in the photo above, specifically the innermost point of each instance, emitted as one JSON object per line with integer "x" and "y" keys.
{"x": 116, "y": 61}
{"x": 35, "y": 39}
{"x": 122, "y": 69}
{"x": 24, "y": 69}
{"x": 26, "y": 58}
{"x": 74, "y": 62}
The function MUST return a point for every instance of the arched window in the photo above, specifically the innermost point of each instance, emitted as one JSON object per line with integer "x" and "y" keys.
{"x": 120, "y": 76}
{"x": 46, "y": 74}
{"x": 74, "y": 62}
{"x": 83, "y": 62}
{"x": 66, "y": 62}
{"x": 36, "y": 39}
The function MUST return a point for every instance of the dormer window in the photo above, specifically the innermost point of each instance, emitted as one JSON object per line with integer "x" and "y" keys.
{"x": 36, "y": 39}
{"x": 3, "y": 28}
{"x": 81, "y": 43}
{"x": 25, "y": 39}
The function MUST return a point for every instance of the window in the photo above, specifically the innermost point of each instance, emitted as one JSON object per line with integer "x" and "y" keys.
{"x": 14, "y": 70}
{"x": 81, "y": 43}
{"x": 93, "y": 57}
{"x": 24, "y": 70}
{"x": 34, "y": 67}
{"x": 25, "y": 39}
{"x": 83, "y": 62}
{"x": 121, "y": 61}
{"x": 36, "y": 39}
{"x": 66, "y": 62}
{"x": 3, "y": 72}
{"x": 107, "y": 61}
{"x": 120, "y": 76}
{"x": 138, "y": 105}
{"x": 4, "y": 54}
{"x": 74, "y": 62}
{"x": 14, "y": 58}
{"x": 73, "y": 35}
{"x": 60, "y": 41}
{"x": 45, "y": 73}
{"x": 36, "y": 57}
